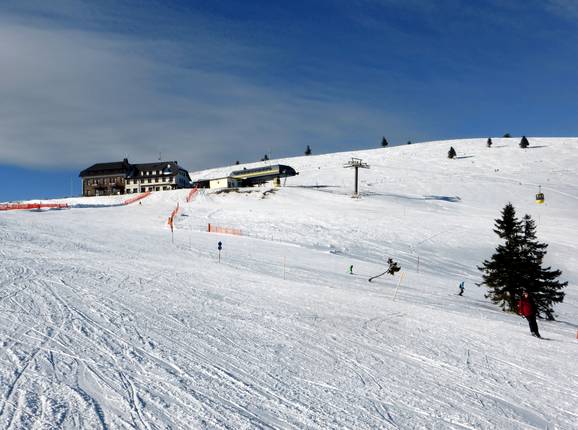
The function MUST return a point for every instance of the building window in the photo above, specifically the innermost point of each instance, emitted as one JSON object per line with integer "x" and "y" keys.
{"x": 158, "y": 188}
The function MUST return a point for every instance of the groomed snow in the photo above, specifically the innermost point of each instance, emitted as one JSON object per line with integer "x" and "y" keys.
{"x": 105, "y": 323}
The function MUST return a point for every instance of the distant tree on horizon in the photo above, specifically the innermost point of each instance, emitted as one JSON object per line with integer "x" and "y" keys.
{"x": 489, "y": 142}
{"x": 507, "y": 135}
{"x": 265, "y": 158}
{"x": 524, "y": 143}
{"x": 237, "y": 162}
{"x": 384, "y": 142}
{"x": 409, "y": 142}
{"x": 451, "y": 153}
{"x": 308, "y": 150}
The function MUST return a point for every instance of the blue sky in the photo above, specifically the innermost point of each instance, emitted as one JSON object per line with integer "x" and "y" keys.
{"x": 210, "y": 82}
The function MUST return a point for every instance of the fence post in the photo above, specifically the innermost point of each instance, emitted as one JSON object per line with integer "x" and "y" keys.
{"x": 398, "y": 284}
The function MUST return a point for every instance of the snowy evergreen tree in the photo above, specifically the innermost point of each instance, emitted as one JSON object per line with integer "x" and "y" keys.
{"x": 517, "y": 265}
{"x": 384, "y": 142}
{"x": 501, "y": 273}
{"x": 308, "y": 150}
{"x": 489, "y": 142}
{"x": 524, "y": 142}
{"x": 451, "y": 152}
{"x": 392, "y": 267}
{"x": 541, "y": 282}
{"x": 507, "y": 135}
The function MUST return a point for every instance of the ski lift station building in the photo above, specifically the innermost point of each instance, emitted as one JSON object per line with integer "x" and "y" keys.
{"x": 250, "y": 177}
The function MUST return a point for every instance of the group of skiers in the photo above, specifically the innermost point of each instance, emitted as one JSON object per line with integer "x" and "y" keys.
{"x": 526, "y": 305}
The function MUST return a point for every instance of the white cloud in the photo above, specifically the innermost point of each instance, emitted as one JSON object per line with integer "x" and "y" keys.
{"x": 70, "y": 97}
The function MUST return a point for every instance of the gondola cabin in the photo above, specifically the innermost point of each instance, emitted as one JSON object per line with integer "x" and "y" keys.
{"x": 540, "y": 197}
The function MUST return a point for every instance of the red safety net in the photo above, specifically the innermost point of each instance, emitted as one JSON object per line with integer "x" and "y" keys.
{"x": 17, "y": 206}
{"x": 136, "y": 198}
{"x": 225, "y": 230}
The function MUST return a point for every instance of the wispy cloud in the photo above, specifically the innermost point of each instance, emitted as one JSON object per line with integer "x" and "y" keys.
{"x": 564, "y": 8}
{"x": 75, "y": 94}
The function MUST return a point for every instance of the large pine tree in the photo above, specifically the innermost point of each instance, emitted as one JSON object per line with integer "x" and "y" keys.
{"x": 516, "y": 265}
{"x": 541, "y": 282}
{"x": 500, "y": 271}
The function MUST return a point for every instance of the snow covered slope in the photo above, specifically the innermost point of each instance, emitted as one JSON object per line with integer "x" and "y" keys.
{"x": 106, "y": 323}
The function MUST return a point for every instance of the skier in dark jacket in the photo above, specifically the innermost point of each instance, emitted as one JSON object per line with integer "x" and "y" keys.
{"x": 527, "y": 308}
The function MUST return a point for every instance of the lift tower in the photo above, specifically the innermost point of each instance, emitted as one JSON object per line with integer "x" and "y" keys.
{"x": 356, "y": 163}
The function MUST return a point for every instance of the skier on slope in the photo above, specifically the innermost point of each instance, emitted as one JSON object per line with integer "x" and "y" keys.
{"x": 351, "y": 269}
{"x": 527, "y": 309}
{"x": 461, "y": 287}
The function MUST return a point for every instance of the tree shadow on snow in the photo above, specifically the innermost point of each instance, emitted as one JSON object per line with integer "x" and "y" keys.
{"x": 464, "y": 156}
{"x": 313, "y": 186}
{"x": 451, "y": 199}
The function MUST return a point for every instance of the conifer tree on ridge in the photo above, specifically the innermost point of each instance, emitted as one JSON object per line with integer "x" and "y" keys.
{"x": 524, "y": 142}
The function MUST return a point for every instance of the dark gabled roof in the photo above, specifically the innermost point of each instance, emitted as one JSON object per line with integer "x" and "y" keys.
{"x": 166, "y": 167}
{"x": 115, "y": 167}
{"x": 159, "y": 165}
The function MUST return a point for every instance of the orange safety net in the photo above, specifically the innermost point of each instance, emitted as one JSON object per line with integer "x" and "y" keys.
{"x": 174, "y": 213}
{"x": 224, "y": 230}
{"x": 192, "y": 194}
{"x": 136, "y": 198}
{"x": 16, "y": 206}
